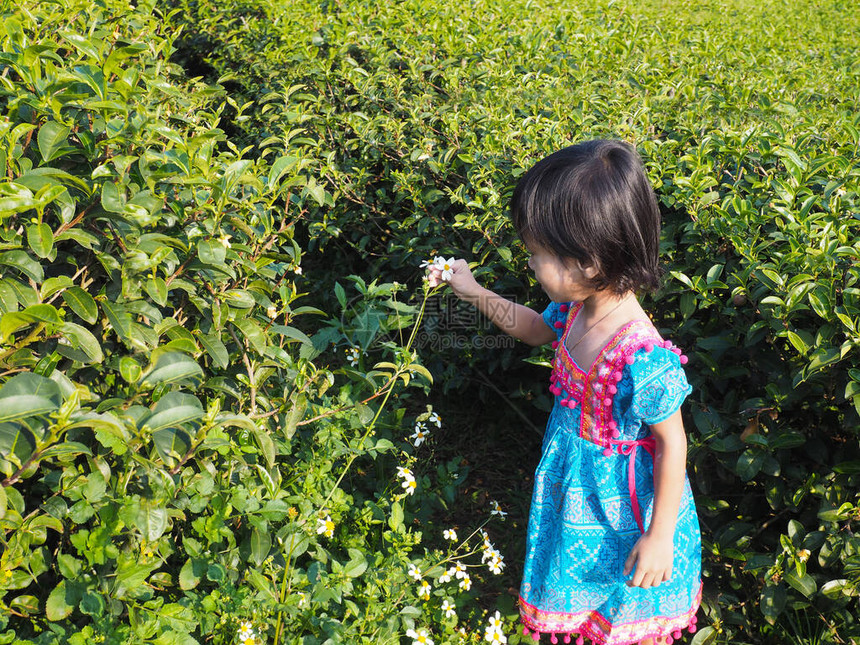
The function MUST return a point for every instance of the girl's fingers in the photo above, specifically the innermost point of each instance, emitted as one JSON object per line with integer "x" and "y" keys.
{"x": 630, "y": 562}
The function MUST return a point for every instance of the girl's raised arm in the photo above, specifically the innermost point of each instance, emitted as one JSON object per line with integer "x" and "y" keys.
{"x": 514, "y": 319}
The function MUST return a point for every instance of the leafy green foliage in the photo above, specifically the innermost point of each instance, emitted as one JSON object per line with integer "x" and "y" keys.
{"x": 177, "y": 457}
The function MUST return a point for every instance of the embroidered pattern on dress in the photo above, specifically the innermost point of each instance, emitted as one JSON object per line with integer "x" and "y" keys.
{"x": 595, "y": 389}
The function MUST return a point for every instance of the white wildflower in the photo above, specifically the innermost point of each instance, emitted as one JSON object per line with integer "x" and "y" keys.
{"x": 496, "y": 565}
{"x": 459, "y": 570}
{"x": 225, "y": 241}
{"x": 490, "y": 553}
{"x": 494, "y": 633}
{"x": 352, "y": 355}
{"x": 420, "y": 637}
{"x": 424, "y": 590}
{"x": 466, "y": 583}
{"x": 419, "y": 435}
{"x": 496, "y": 509}
{"x": 272, "y": 311}
{"x": 246, "y": 634}
{"x": 325, "y": 526}
{"x": 450, "y": 534}
{"x": 448, "y": 608}
{"x": 409, "y": 484}
{"x": 435, "y": 418}
{"x": 414, "y": 572}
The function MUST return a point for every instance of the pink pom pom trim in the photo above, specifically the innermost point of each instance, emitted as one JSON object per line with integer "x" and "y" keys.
{"x": 563, "y": 309}
{"x": 558, "y": 324}
{"x": 554, "y": 344}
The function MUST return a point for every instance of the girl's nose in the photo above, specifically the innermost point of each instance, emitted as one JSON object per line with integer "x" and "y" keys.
{"x": 530, "y": 263}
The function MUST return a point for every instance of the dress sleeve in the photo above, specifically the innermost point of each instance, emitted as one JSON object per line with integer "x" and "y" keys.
{"x": 659, "y": 385}
{"x": 554, "y": 314}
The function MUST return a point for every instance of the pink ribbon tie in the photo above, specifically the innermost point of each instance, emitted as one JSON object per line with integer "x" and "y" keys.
{"x": 628, "y": 448}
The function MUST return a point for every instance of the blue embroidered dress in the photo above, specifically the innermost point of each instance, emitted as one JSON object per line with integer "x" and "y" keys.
{"x": 593, "y": 495}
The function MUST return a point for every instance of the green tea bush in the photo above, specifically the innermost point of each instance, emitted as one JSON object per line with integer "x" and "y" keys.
{"x": 179, "y": 462}
{"x": 415, "y": 119}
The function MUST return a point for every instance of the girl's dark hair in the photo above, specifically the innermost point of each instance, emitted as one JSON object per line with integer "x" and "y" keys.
{"x": 593, "y": 202}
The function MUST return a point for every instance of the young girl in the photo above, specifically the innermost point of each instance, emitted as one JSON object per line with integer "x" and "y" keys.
{"x": 613, "y": 550}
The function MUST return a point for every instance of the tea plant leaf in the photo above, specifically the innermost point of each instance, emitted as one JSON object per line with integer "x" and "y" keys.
{"x": 16, "y": 440}
{"x": 773, "y": 600}
{"x": 81, "y": 338}
{"x": 705, "y": 636}
{"x": 293, "y": 333}
{"x": 253, "y": 334}
{"x": 215, "y": 348}
{"x": 41, "y": 239}
{"x": 12, "y": 322}
{"x": 52, "y": 140}
{"x": 119, "y": 319}
{"x": 23, "y": 406}
{"x": 172, "y": 367}
{"x": 171, "y": 444}
{"x": 24, "y": 263}
{"x": 174, "y": 410}
{"x": 805, "y": 584}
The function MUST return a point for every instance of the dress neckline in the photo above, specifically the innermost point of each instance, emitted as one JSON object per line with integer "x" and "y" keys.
{"x": 574, "y": 311}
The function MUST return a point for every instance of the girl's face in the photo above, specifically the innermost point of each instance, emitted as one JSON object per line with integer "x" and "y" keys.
{"x": 562, "y": 280}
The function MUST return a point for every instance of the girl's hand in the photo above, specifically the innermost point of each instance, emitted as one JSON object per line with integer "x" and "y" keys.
{"x": 652, "y": 556}
{"x": 462, "y": 281}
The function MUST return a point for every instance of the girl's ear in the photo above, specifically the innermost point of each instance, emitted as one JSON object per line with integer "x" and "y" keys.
{"x": 589, "y": 270}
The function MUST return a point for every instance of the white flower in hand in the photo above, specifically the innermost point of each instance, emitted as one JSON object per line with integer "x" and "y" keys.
{"x": 445, "y": 266}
